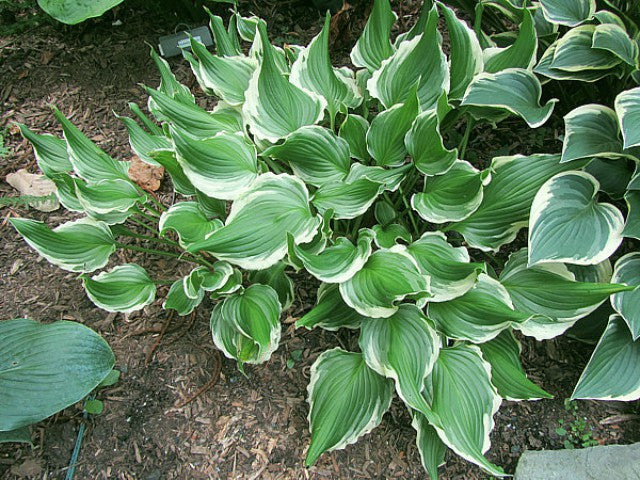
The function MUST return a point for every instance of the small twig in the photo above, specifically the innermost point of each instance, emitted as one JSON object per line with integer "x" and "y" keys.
{"x": 156, "y": 344}
{"x": 212, "y": 381}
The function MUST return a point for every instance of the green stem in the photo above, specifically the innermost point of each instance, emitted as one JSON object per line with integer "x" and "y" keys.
{"x": 125, "y": 231}
{"x": 148, "y": 250}
{"x": 146, "y": 216}
{"x": 465, "y": 139}
{"x": 272, "y": 165}
{"x": 158, "y": 203}
{"x": 152, "y": 211}
{"x": 142, "y": 224}
{"x": 410, "y": 212}
{"x": 356, "y": 226}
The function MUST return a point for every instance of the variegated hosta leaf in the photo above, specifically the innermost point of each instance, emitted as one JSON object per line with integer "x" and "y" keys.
{"x": 521, "y": 54}
{"x": 613, "y": 371}
{"x": 627, "y": 304}
{"x": 403, "y": 347}
{"x": 460, "y": 393}
{"x": 274, "y": 108}
{"x": 125, "y": 288}
{"x": 276, "y": 278}
{"x": 419, "y": 60}
{"x": 246, "y": 325}
{"x": 590, "y": 131}
{"x": 431, "y": 449}
{"x": 374, "y": 45}
{"x": 330, "y": 312}
{"x": 347, "y": 199}
{"x": 507, "y": 199}
{"x": 142, "y": 142}
{"x": 89, "y": 161}
{"x": 227, "y": 42}
{"x": 346, "y": 399}
{"x": 254, "y": 236}
{"x": 568, "y": 225}
{"x": 79, "y": 246}
{"x": 574, "y": 52}
{"x": 339, "y": 262}
{"x": 189, "y": 221}
{"x": 568, "y": 12}
{"x": 179, "y": 300}
{"x": 452, "y": 196}
{"x": 146, "y": 121}
{"x": 613, "y": 174}
{"x": 425, "y": 145}
{"x": 247, "y": 26}
{"x": 465, "y": 53}
{"x": 387, "y": 277}
{"x": 66, "y": 191}
{"x": 389, "y": 178}
{"x": 354, "y": 131}
{"x": 628, "y": 109}
{"x": 203, "y": 278}
{"x": 315, "y": 154}
{"x": 507, "y": 374}
{"x": 223, "y": 166}
{"x": 515, "y": 90}
{"x": 615, "y": 39}
{"x": 632, "y": 225}
{"x": 169, "y": 85}
{"x": 51, "y": 152}
{"x": 108, "y": 196}
{"x": 449, "y": 268}
{"x": 387, "y": 236}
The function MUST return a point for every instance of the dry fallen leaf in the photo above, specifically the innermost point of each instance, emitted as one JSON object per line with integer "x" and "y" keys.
{"x": 144, "y": 175}
{"x": 32, "y": 185}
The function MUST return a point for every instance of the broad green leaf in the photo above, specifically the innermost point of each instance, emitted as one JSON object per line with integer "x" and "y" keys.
{"x": 346, "y": 400}
{"x": 315, "y": 154}
{"x": 79, "y": 246}
{"x": 521, "y": 54}
{"x": 347, "y": 199}
{"x": 247, "y": 27}
{"x": 330, "y": 312}
{"x": 632, "y": 225}
{"x": 276, "y": 278}
{"x": 388, "y": 178}
{"x": 387, "y": 236}
{"x": 507, "y": 199}
{"x": 460, "y": 393}
{"x": 254, "y": 236}
{"x": 452, "y": 196}
{"x": 274, "y": 108}
{"x": 568, "y": 12}
{"x": 385, "y": 213}
{"x": 212, "y": 207}
{"x": 46, "y": 368}
{"x": 169, "y": 84}
{"x": 374, "y": 45}
{"x": 387, "y": 277}
{"x": 574, "y": 52}
{"x": 567, "y": 224}
{"x": 544, "y": 67}
{"x": 108, "y": 196}
{"x": 590, "y": 131}
{"x": 178, "y": 300}
{"x": 125, "y": 288}
{"x": 50, "y": 152}
{"x": 73, "y": 12}
{"x": 189, "y": 221}
{"x": 223, "y": 166}
{"x": 167, "y": 158}
{"x": 515, "y": 90}
{"x": 431, "y": 449}
{"x": 449, "y": 268}
{"x": 613, "y": 371}
{"x": 403, "y": 347}
{"x": 628, "y": 109}
{"x": 19, "y": 435}
{"x": 425, "y": 145}
{"x": 142, "y": 142}
{"x": 627, "y": 304}
{"x": 614, "y": 38}
{"x": 66, "y": 191}
{"x": 613, "y": 175}
{"x": 507, "y": 374}
{"x": 354, "y": 131}
{"x": 203, "y": 278}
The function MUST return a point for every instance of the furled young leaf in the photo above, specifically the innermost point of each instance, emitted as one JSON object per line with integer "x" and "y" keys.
{"x": 276, "y": 278}
{"x": 568, "y": 12}
{"x": 142, "y": 142}
{"x": 432, "y": 450}
{"x": 169, "y": 84}
{"x": 515, "y": 90}
{"x": 189, "y": 221}
{"x": 330, "y": 312}
{"x": 615, "y": 39}
{"x": 227, "y": 43}
{"x": 346, "y": 399}
{"x": 574, "y": 52}
{"x": 79, "y": 246}
{"x": 354, "y": 131}
{"x": 460, "y": 393}
{"x": 627, "y": 304}
{"x": 178, "y": 300}
{"x": 347, "y": 199}
{"x": 315, "y": 154}
{"x": 51, "y": 152}
{"x": 507, "y": 374}
{"x": 450, "y": 197}
{"x": 521, "y": 54}
{"x": 425, "y": 145}
{"x": 254, "y": 236}
{"x": 274, "y": 107}
{"x": 207, "y": 280}
{"x": 73, "y": 12}
{"x": 628, "y": 109}
{"x": 387, "y": 277}
{"x": 567, "y": 224}
{"x": 374, "y": 45}
{"x": 125, "y": 288}
{"x": 108, "y": 196}
{"x": 590, "y": 131}
{"x": 613, "y": 371}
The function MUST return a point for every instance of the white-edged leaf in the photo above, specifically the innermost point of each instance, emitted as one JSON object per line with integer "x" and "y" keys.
{"x": 354, "y": 130}
{"x": 276, "y": 278}
{"x": 50, "y": 152}
{"x": 590, "y": 131}
{"x": 189, "y": 221}
{"x": 347, "y": 199}
{"x": 108, "y": 196}
{"x": 574, "y": 52}
{"x": 374, "y": 45}
{"x": 169, "y": 84}
{"x": 627, "y": 304}
{"x": 387, "y": 236}
{"x": 628, "y": 109}
{"x": 330, "y": 312}
{"x": 389, "y": 178}
{"x": 143, "y": 142}
{"x": 125, "y": 288}
{"x": 520, "y": 54}
{"x": 544, "y": 66}
{"x": 431, "y": 449}
{"x": 167, "y": 158}
{"x": 425, "y": 145}
{"x": 178, "y": 300}
{"x": 614, "y": 38}
{"x": 632, "y": 224}
{"x": 568, "y": 12}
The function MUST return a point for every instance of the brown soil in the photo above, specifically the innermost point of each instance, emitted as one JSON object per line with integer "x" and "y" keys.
{"x": 242, "y": 428}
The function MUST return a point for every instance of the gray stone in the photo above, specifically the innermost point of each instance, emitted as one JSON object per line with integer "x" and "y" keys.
{"x": 612, "y": 462}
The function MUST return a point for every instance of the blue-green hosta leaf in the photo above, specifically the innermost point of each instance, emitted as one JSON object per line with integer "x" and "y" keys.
{"x": 330, "y": 312}
{"x": 507, "y": 374}
{"x": 51, "y": 152}
{"x": 178, "y": 300}
{"x": 389, "y": 178}
{"x": 615, "y": 39}
{"x": 169, "y": 85}
{"x": 167, "y": 158}
{"x": 544, "y": 28}
{"x": 515, "y": 90}
{"x": 79, "y": 246}
{"x": 613, "y": 371}
{"x": 347, "y": 199}
{"x": 544, "y": 67}
{"x": 374, "y": 45}
{"x": 387, "y": 278}
{"x": 567, "y": 224}
{"x": 19, "y": 435}
{"x": 274, "y": 108}
{"x": 254, "y": 236}
{"x": 590, "y": 131}
{"x": 507, "y": 199}
{"x": 521, "y": 54}
{"x": 315, "y": 154}
{"x": 108, "y": 196}
{"x": 347, "y": 399}
{"x": 66, "y": 191}
{"x": 613, "y": 174}
{"x": 46, "y": 368}
{"x": 460, "y": 393}
{"x": 479, "y": 315}
{"x": 73, "y": 12}
{"x": 403, "y": 347}
{"x": 125, "y": 288}
{"x": 627, "y": 304}
{"x": 354, "y": 131}
{"x": 628, "y": 109}
{"x": 465, "y": 55}
{"x": 276, "y": 278}
{"x": 452, "y": 196}
{"x": 425, "y": 145}
{"x": 574, "y": 52}
{"x": 189, "y": 221}
{"x": 449, "y": 268}
{"x": 387, "y": 236}
{"x": 431, "y": 449}
{"x": 223, "y": 166}
{"x": 632, "y": 225}
{"x": 568, "y": 12}
{"x": 605, "y": 16}
{"x": 143, "y": 142}
{"x": 89, "y": 161}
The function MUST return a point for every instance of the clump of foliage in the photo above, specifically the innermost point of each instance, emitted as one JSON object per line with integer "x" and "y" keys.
{"x": 345, "y": 174}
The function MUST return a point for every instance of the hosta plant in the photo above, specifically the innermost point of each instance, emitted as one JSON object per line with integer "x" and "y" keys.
{"x": 344, "y": 173}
